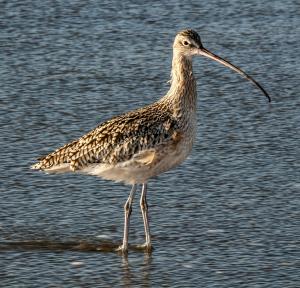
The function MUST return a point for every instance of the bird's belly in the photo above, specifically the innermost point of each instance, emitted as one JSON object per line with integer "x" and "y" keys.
{"x": 133, "y": 171}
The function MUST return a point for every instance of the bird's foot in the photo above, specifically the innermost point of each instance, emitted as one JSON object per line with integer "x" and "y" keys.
{"x": 147, "y": 247}
{"x": 122, "y": 250}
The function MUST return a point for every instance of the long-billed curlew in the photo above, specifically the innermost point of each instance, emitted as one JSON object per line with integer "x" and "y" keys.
{"x": 141, "y": 144}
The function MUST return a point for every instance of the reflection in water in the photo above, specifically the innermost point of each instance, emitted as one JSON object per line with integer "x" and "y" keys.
{"x": 130, "y": 273}
{"x": 83, "y": 246}
{"x": 129, "y": 276}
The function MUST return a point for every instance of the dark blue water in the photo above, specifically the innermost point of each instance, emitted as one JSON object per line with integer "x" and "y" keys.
{"x": 227, "y": 217}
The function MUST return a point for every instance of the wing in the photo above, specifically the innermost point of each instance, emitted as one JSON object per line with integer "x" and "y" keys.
{"x": 117, "y": 140}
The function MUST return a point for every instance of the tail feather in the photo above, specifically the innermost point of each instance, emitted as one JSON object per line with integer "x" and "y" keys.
{"x": 60, "y": 168}
{"x": 55, "y": 160}
{"x": 36, "y": 166}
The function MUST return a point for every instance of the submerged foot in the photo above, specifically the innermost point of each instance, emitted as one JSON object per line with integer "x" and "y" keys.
{"x": 147, "y": 247}
{"x": 122, "y": 250}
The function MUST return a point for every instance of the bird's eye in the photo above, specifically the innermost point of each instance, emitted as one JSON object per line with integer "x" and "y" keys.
{"x": 186, "y": 43}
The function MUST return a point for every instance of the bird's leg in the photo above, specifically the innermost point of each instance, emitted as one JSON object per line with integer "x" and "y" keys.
{"x": 144, "y": 208}
{"x": 127, "y": 210}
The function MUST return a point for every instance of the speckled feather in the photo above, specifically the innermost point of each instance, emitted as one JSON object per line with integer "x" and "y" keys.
{"x": 116, "y": 140}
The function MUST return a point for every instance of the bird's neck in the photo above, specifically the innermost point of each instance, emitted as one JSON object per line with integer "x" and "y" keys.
{"x": 182, "y": 95}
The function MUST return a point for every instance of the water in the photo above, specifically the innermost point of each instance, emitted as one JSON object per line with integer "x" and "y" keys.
{"x": 227, "y": 217}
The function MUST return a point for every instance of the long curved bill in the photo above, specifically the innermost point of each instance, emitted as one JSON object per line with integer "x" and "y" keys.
{"x": 204, "y": 52}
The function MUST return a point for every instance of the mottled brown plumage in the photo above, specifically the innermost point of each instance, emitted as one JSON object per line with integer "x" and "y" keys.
{"x": 116, "y": 140}
{"x": 146, "y": 142}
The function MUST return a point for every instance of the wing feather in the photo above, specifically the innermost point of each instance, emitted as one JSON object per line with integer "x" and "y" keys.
{"x": 116, "y": 140}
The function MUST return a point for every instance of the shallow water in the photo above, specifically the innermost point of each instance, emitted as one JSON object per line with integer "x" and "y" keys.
{"x": 227, "y": 217}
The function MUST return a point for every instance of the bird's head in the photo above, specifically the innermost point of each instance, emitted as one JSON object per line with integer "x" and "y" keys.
{"x": 188, "y": 43}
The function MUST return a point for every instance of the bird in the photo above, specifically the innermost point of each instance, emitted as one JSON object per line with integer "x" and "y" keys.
{"x": 141, "y": 144}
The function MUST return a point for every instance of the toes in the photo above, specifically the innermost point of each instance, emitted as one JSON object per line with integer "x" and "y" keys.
{"x": 122, "y": 250}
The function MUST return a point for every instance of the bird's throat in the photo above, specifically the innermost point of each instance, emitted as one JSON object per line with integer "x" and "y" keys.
{"x": 182, "y": 94}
